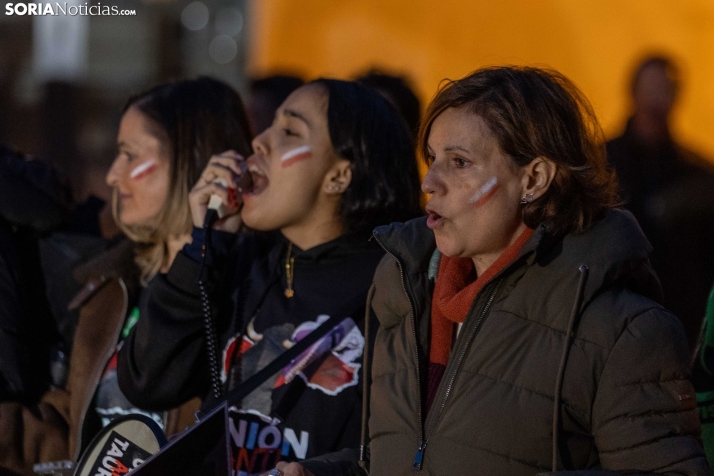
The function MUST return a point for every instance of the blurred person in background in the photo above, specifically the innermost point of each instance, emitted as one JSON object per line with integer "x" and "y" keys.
{"x": 669, "y": 190}
{"x": 520, "y": 325}
{"x": 166, "y": 136}
{"x": 266, "y": 96}
{"x": 398, "y": 91}
{"x": 33, "y": 203}
{"x": 336, "y": 161}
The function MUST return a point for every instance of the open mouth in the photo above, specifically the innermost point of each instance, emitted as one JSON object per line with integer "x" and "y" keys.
{"x": 260, "y": 180}
{"x": 434, "y": 220}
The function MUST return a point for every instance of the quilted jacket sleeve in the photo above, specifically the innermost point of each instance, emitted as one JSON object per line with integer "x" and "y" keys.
{"x": 644, "y": 416}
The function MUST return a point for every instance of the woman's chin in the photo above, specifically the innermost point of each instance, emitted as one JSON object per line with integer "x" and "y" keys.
{"x": 254, "y": 221}
{"x": 137, "y": 220}
{"x": 446, "y": 247}
{"x": 130, "y": 221}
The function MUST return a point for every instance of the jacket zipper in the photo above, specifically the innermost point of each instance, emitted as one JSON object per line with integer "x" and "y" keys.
{"x": 416, "y": 465}
{"x": 419, "y": 457}
{"x": 465, "y": 349}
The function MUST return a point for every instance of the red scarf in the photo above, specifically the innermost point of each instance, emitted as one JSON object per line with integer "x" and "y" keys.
{"x": 456, "y": 288}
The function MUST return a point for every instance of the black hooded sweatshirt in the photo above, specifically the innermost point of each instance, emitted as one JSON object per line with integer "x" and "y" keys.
{"x": 314, "y": 405}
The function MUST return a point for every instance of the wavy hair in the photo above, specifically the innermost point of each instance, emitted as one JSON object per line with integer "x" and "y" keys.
{"x": 534, "y": 112}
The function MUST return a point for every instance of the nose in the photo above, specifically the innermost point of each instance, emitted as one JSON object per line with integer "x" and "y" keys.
{"x": 113, "y": 173}
{"x": 260, "y": 143}
{"x": 432, "y": 183}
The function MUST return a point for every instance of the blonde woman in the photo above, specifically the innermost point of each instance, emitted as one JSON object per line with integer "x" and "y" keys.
{"x": 166, "y": 136}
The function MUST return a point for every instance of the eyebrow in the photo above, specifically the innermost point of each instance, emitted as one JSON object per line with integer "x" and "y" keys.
{"x": 297, "y": 115}
{"x": 450, "y": 148}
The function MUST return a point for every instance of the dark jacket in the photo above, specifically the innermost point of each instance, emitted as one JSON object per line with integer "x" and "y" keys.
{"x": 626, "y": 403}
{"x": 31, "y": 192}
{"x": 62, "y": 424}
{"x": 163, "y": 361}
{"x": 31, "y": 204}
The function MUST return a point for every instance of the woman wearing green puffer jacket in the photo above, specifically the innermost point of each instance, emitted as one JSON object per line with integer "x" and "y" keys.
{"x": 521, "y": 325}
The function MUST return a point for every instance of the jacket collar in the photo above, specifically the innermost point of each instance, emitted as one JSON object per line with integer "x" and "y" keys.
{"x": 615, "y": 249}
{"x": 413, "y": 243}
{"x": 115, "y": 262}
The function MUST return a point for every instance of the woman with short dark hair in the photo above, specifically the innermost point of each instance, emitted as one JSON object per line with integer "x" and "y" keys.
{"x": 521, "y": 330}
{"x": 534, "y": 113}
{"x": 336, "y": 162}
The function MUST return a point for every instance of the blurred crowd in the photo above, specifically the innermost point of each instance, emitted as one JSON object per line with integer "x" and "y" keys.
{"x": 73, "y": 288}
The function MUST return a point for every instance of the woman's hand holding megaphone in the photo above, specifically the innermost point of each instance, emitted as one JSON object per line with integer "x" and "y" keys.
{"x": 219, "y": 188}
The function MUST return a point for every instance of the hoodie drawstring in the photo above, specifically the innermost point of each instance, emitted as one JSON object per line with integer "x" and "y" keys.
{"x": 583, "y": 269}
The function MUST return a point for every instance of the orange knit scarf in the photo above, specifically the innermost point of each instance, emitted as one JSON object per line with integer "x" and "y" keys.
{"x": 456, "y": 288}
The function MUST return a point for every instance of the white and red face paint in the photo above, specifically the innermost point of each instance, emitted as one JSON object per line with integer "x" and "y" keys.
{"x": 296, "y": 155}
{"x": 484, "y": 194}
{"x": 142, "y": 170}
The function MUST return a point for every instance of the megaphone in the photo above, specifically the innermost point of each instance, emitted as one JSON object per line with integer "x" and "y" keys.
{"x": 123, "y": 445}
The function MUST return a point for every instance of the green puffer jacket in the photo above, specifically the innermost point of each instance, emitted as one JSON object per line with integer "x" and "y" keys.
{"x": 626, "y": 406}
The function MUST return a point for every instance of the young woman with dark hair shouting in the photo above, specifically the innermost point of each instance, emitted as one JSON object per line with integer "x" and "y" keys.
{"x": 336, "y": 162}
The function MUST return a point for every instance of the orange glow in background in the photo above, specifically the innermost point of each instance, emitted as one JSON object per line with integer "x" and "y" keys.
{"x": 596, "y": 43}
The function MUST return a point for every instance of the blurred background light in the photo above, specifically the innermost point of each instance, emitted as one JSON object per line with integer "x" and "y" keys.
{"x": 229, "y": 21}
{"x": 223, "y": 49}
{"x": 195, "y": 16}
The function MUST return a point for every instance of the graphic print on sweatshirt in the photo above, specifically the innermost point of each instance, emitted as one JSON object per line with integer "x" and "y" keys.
{"x": 328, "y": 366}
{"x": 259, "y": 442}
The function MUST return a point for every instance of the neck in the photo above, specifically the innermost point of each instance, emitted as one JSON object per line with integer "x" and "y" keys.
{"x": 320, "y": 225}
{"x": 173, "y": 246}
{"x": 484, "y": 261}
{"x": 306, "y": 237}
{"x": 649, "y": 129}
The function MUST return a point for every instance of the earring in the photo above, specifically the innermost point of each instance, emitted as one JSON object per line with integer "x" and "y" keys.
{"x": 333, "y": 188}
{"x": 527, "y": 198}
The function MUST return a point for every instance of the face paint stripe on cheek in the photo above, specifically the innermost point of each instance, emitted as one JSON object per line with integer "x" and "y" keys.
{"x": 484, "y": 194}
{"x": 142, "y": 170}
{"x": 296, "y": 155}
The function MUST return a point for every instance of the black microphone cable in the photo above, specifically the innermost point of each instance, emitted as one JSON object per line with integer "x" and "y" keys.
{"x": 209, "y": 325}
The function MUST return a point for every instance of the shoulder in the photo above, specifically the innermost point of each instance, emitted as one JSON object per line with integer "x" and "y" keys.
{"x": 695, "y": 159}
{"x": 616, "y": 312}
{"x": 111, "y": 275}
{"x": 616, "y": 144}
{"x": 390, "y": 302}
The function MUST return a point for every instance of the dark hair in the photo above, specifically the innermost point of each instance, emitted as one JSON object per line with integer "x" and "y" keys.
{"x": 194, "y": 119}
{"x": 533, "y": 113}
{"x": 266, "y": 96}
{"x": 397, "y": 90}
{"x": 369, "y": 132}
{"x": 278, "y": 87}
{"x": 658, "y": 61}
